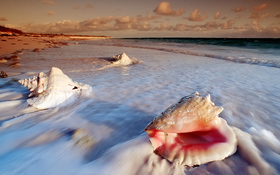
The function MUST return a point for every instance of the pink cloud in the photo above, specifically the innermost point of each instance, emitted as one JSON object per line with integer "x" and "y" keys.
{"x": 124, "y": 19}
{"x": 136, "y": 23}
{"x": 217, "y": 15}
{"x": 163, "y": 26}
{"x": 197, "y": 16}
{"x": 255, "y": 23}
{"x": 142, "y": 26}
{"x": 228, "y": 25}
{"x": 256, "y": 31}
{"x": 208, "y": 26}
{"x": 238, "y": 9}
{"x": 182, "y": 27}
{"x": 164, "y": 8}
{"x": 258, "y": 11}
{"x": 3, "y": 19}
{"x": 109, "y": 23}
{"x": 148, "y": 23}
{"x": 50, "y": 13}
{"x": 48, "y": 2}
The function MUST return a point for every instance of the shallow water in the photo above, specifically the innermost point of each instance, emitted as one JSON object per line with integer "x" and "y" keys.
{"x": 125, "y": 100}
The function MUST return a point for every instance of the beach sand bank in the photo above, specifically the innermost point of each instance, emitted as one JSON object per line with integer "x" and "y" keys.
{"x": 15, "y": 44}
{"x": 12, "y": 47}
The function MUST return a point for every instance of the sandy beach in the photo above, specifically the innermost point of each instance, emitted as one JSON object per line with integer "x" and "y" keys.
{"x": 16, "y": 44}
{"x": 13, "y": 46}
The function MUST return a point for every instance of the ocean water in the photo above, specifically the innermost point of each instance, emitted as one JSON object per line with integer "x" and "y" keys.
{"x": 242, "y": 76}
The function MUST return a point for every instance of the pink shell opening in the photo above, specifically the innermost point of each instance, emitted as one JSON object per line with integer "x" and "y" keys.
{"x": 195, "y": 148}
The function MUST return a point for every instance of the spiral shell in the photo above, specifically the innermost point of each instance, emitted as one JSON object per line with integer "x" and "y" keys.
{"x": 191, "y": 133}
{"x": 53, "y": 89}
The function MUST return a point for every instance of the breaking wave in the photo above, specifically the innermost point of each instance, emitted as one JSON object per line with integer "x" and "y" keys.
{"x": 168, "y": 46}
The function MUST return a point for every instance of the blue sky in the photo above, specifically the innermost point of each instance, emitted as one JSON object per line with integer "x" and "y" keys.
{"x": 145, "y": 18}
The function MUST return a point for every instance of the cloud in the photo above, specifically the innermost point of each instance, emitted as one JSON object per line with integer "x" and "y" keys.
{"x": 48, "y": 2}
{"x": 228, "y": 25}
{"x": 196, "y": 16}
{"x": 142, "y": 26}
{"x": 182, "y": 27}
{"x": 50, "y": 13}
{"x": 208, "y": 26}
{"x": 217, "y": 15}
{"x": 109, "y": 24}
{"x": 164, "y": 8}
{"x": 257, "y": 11}
{"x": 255, "y": 23}
{"x": 163, "y": 26}
{"x": 136, "y": 23}
{"x": 259, "y": 32}
{"x": 238, "y": 9}
{"x": 96, "y": 24}
{"x": 211, "y": 25}
{"x": 124, "y": 19}
{"x": 3, "y": 19}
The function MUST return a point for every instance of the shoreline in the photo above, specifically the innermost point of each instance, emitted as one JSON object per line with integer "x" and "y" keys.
{"x": 12, "y": 46}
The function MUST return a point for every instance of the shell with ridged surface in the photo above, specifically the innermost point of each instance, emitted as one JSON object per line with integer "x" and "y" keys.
{"x": 190, "y": 132}
{"x": 53, "y": 89}
{"x": 192, "y": 109}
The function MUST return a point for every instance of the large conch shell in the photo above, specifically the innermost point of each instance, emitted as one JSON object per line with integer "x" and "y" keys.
{"x": 53, "y": 89}
{"x": 191, "y": 133}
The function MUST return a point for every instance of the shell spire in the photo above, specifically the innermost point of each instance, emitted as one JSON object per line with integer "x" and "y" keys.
{"x": 190, "y": 109}
{"x": 31, "y": 84}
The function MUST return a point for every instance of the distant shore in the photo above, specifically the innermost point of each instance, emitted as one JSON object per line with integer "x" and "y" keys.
{"x": 13, "y": 45}
{"x": 9, "y": 43}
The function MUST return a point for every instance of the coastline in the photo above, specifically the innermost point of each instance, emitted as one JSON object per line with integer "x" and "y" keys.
{"x": 9, "y": 44}
{"x": 14, "y": 45}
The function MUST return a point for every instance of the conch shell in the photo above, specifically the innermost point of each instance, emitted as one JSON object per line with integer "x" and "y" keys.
{"x": 53, "y": 89}
{"x": 191, "y": 133}
{"x": 124, "y": 60}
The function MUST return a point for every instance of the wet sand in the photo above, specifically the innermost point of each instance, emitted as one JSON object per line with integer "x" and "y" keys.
{"x": 12, "y": 47}
{"x": 16, "y": 44}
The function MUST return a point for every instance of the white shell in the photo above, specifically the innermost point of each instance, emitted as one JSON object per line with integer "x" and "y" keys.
{"x": 53, "y": 89}
{"x": 186, "y": 115}
{"x": 191, "y": 133}
{"x": 123, "y": 59}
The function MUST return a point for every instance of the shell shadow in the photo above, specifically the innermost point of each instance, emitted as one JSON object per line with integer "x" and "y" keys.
{"x": 127, "y": 123}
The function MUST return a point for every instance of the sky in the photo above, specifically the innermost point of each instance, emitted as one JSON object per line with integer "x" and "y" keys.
{"x": 145, "y": 18}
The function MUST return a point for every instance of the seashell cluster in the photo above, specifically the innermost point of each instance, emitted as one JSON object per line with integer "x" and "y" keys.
{"x": 191, "y": 133}
{"x": 53, "y": 89}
